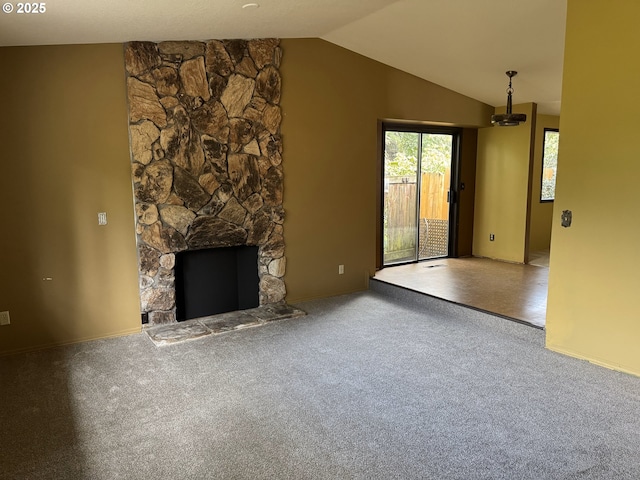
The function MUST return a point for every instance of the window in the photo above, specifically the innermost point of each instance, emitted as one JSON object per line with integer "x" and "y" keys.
{"x": 549, "y": 164}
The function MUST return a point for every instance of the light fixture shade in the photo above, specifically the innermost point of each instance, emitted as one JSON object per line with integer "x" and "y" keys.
{"x": 509, "y": 119}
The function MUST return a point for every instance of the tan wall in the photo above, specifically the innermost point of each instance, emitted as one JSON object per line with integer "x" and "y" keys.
{"x": 467, "y": 196}
{"x": 502, "y": 189}
{"x": 332, "y": 100}
{"x": 65, "y": 157}
{"x": 592, "y": 308}
{"x": 541, "y": 212}
{"x": 411, "y": 98}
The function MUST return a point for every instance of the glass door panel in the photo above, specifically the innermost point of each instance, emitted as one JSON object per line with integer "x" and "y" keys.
{"x": 400, "y": 212}
{"x": 435, "y": 180}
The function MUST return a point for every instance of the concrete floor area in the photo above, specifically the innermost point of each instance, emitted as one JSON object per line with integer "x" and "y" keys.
{"x": 511, "y": 290}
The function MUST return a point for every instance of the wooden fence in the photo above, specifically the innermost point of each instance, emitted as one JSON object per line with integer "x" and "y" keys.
{"x": 400, "y": 214}
{"x": 433, "y": 195}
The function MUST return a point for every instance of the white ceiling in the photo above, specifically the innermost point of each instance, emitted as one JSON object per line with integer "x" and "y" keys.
{"x": 464, "y": 45}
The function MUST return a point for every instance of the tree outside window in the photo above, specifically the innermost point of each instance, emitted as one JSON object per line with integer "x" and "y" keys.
{"x": 549, "y": 165}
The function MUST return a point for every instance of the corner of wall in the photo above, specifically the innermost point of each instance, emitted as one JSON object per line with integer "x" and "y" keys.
{"x": 502, "y": 190}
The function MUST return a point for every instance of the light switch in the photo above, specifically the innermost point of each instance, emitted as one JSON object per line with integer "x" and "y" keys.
{"x": 102, "y": 218}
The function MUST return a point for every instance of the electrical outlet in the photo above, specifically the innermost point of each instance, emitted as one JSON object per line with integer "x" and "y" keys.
{"x": 4, "y": 318}
{"x": 492, "y": 237}
{"x": 340, "y": 269}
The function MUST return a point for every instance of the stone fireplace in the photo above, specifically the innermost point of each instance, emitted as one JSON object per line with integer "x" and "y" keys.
{"x": 206, "y": 153}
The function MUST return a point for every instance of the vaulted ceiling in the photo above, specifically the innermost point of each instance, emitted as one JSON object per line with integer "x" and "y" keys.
{"x": 464, "y": 45}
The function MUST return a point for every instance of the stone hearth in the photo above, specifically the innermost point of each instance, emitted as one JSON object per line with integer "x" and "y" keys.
{"x": 222, "y": 323}
{"x": 206, "y": 152}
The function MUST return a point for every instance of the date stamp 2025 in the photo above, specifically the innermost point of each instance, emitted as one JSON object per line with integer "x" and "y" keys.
{"x": 24, "y": 8}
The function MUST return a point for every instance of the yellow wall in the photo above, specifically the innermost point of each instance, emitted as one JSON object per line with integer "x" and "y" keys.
{"x": 65, "y": 157}
{"x": 502, "y": 188}
{"x": 541, "y": 213}
{"x": 592, "y": 308}
{"x": 332, "y": 100}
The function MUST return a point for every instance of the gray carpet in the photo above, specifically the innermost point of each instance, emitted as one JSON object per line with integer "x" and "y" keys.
{"x": 365, "y": 386}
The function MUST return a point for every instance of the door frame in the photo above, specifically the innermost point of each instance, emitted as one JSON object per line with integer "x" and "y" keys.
{"x": 454, "y": 188}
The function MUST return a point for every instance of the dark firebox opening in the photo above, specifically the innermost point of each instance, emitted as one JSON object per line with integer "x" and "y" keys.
{"x": 216, "y": 280}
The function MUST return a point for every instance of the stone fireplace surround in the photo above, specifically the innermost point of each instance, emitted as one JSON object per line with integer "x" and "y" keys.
{"x": 206, "y": 153}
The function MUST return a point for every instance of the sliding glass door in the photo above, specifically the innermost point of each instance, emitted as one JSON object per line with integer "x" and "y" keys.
{"x": 417, "y": 193}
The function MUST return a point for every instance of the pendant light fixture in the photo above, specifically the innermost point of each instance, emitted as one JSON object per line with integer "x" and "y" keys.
{"x": 509, "y": 119}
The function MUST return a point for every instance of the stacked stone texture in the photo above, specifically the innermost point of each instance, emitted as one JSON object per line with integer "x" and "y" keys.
{"x": 206, "y": 151}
